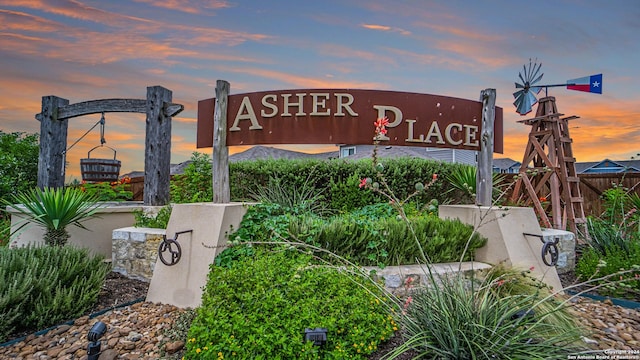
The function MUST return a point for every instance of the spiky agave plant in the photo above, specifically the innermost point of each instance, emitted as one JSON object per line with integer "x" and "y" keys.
{"x": 54, "y": 209}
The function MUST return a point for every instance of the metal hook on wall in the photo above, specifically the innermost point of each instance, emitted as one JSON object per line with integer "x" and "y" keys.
{"x": 549, "y": 249}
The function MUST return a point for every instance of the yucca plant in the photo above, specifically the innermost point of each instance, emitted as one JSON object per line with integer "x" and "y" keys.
{"x": 54, "y": 210}
{"x": 463, "y": 179}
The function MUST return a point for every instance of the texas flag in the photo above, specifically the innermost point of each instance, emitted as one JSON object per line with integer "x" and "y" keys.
{"x": 592, "y": 84}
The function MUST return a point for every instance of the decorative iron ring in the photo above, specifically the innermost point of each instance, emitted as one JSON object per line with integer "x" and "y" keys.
{"x": 550, "y": 248}
{"x": 167, "y": 245}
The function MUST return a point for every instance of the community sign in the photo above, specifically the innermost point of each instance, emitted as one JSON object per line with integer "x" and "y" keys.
{"x": 346, "y": 116}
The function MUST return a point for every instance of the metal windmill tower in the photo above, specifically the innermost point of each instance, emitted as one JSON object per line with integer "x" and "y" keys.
{"x": 547, "y": 178}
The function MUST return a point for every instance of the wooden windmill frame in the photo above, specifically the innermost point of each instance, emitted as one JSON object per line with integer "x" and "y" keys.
{"x": 547, "y": 178}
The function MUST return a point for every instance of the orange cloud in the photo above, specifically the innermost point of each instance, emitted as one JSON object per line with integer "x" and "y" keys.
{"x": 607, "y": 128}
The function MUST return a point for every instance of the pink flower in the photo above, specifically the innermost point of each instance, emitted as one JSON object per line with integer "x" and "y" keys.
{"x": 408, "y": 281}
{"x": 434, "y": 177}
{"x": 499, "y": 282}
{"x": 381, "y": 125}
{"x": 363, "y": 183}
{"x": 532, "y": 268}
{"x": 407, "y": 302}
{"x": 381, "y": 122}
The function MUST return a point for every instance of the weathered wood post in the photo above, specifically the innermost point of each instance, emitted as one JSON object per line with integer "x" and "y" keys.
{"x": 484, "y": 177}
{"x": 53, "y": 143}
{"x": 221, "y": 191}
{"x": 157, "y": 158}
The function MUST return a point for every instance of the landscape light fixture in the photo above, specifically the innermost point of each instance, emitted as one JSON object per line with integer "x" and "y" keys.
{"x": 97, "y": 331}
{"x": 317, "y": 335}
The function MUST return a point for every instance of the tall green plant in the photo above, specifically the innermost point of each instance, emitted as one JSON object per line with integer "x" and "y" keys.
{"x": 196, "y": 183}
{"x": 54, "y": 210}
{"x": 18, "y": 162}
{"x": 463, "y": 179}
{"x": 454, "y": 319}
{"x": 605, "y": 237}
{"x": 302, "y": 198}
{"x": 5, "y": 230}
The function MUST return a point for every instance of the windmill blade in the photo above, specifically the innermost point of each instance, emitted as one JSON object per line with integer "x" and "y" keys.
{"x": 535, "y": 72}
{"x": 521, "y": 78}
{"x": 518, "y": 96}
{"x": 530, "y": 99}
{"x": 536, "y": 89}
{"x": 525, "y": 106}
{"x": 524, "y": 101}
{"x": 536, "y": 79}
{"x": 525, "y": 97}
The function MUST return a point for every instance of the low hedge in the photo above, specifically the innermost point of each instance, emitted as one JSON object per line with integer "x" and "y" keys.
{"x": 259, "y": 307}
{"x": 44, "y": 286}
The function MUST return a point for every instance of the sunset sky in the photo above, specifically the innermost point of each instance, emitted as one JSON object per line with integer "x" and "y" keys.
{"x": 92, "y": 49}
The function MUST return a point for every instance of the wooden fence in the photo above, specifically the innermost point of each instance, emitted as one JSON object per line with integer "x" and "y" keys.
{"x": 591, "y": 187}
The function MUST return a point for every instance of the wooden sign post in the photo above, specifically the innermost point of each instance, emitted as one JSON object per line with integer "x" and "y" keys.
{"x": 220, "y": 168}
{"x": 484, "y": 178}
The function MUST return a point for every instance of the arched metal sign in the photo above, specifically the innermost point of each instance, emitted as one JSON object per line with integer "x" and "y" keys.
{"x": 346, "y": 116}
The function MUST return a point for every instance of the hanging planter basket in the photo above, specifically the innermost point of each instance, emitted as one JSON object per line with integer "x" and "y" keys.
{"x": 99, "y": 170}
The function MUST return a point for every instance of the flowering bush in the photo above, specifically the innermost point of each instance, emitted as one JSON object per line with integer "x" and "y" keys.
{"x": 109, "y": 191}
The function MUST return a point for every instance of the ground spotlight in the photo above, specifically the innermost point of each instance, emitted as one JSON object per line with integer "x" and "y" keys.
{"x": 317, "y": 335}
{"x": 97, "y": 331}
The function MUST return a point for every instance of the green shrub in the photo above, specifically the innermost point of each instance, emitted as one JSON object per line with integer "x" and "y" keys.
{"x": 157, "y": 221}
{"x": 41, "y": 287}
{"x": 390, "y": 241}
{"x": 196, "y": 183}
{"x": 402, "y": 174}
{"x": 263, "y": 222}
{"x": 346, "y": 196}
{"x": 259, "y": 308}
{"x": 592, "y": 264}
{"x": 18, "y": 162}
{"x": 372, "y": 235}
{"x": 5, "y": 229}
{"x": 457, "y": 318}
{"x": 106, "y": 191}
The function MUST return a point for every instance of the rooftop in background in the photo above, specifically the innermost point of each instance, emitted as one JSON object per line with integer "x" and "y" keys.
{"x": 608, "y": 166}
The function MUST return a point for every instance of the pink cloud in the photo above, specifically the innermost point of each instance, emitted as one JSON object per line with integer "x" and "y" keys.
{"x": 386, "y": 28}
{"x": 302, "y": 81}
{"x": 188, "y": 6}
